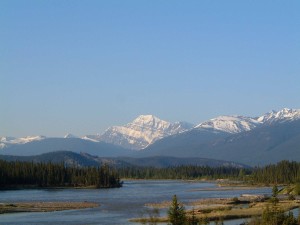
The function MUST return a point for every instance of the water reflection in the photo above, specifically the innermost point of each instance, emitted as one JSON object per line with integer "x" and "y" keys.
{"x": 116, "y": 205}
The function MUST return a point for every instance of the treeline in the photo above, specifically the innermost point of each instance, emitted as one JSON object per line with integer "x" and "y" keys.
{"x": 56, "y": 175}
{"x": 284, "y": 172}
{"x": 182, "y": 172}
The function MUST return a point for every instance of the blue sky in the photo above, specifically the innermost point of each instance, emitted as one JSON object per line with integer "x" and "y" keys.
{"x": 81, "y": 66}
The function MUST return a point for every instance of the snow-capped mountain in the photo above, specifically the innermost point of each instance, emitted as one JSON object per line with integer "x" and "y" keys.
{"x": 70, "y": 136}
{"x": 270, "y": 138}
{"x": 283, "y": 115}
{"x": 147, "y": 129}
{"x": 6, "y": 141}
{"x": 230, "y": 124}
{"x": 142, "y": 131}
{"x": 238, "y": 124}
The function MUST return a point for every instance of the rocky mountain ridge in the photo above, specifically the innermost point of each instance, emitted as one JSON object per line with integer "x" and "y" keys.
{"x": 147, "y": 129}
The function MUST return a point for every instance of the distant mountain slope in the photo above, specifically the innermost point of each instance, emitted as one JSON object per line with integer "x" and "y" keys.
{"x": 262, "y": 145}
{"x": 84, "y": 159}
{"x": 179, "y": 145}
{"x": 266, "y": 139}
{"x": 69, "y": 158}
{"x": 165, "y": 161}
{"x": 65, "y": 144}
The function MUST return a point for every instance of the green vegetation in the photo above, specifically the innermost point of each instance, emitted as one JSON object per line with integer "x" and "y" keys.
{"x": 266, "y": 211}
{"x": 217, "y": 210}
{"x": 274, "y": 216}
{"x": 150, "y": 216}
{"x": 297, "y": 189}
{"x": 26, "y": 174}
{"x": 176, "y": 213}
{"x": 284, "y": 172}
{"x": 50, "y": 174}
{"x": 274, "y": 199}
{"x": 182, "y": 172}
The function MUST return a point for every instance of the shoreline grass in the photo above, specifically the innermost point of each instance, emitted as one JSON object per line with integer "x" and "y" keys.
{"x": 44, "y": 206}
{"x": 225, "y": 208}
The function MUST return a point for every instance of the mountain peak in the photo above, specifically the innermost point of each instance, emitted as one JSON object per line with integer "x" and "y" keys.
{"x": 150, "y": 122}
{"x": 70, "y": 136}
{"x": 282, "y": 115}
{"x": 148, "y": 119}
{"x": 141, "y": 132}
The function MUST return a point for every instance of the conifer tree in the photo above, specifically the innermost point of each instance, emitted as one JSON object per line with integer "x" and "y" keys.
{"x": 176, "y": 213}
{"x": 193, "y": 220}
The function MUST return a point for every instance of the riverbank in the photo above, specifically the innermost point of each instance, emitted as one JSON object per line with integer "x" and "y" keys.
{"x": 44, "y": 206}
{"x": 225, "y": 208}
{"x": 26, "y": 187}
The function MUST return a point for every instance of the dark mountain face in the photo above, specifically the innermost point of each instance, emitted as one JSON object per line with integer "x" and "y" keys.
{"x": 182, "y": 145}
{"x": 67, "y": 157}
{"x": 65, "y": 144}
{"x": 262, "y": 145}
{"x": 84, "y": 159}
{"x": 167, "y": 161}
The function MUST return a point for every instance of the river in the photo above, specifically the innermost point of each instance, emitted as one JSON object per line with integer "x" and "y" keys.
{"x": 117, "y": 205}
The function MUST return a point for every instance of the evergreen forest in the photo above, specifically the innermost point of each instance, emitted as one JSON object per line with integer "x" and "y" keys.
{"x": 29, "y": 174}
{"x": 284, "y": 172}
{"x": 183, "y": 172}
{"x": 16, "y": 173}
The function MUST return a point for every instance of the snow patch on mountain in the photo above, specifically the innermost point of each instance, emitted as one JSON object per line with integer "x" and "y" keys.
{"x": 70, "y": 136}
{"x": 94, "y": 138}
{"x": 283, "y": 115}
{"x": 230, "y": 124}
{"x": 6, "y": 141}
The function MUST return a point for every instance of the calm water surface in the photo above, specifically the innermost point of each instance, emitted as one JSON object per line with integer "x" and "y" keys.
{"x": 117, "y": 205}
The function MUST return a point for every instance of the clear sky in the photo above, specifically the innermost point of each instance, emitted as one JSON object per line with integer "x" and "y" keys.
{"x": 81, "y": 66}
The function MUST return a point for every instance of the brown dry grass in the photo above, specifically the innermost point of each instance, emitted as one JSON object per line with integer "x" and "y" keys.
{"x": 44, "y": 206}
{"x": 213, "y": 209}
{"x": 254, "y": 209}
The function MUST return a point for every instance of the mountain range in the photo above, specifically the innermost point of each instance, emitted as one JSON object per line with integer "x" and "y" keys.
{"x": 260, "y": 140}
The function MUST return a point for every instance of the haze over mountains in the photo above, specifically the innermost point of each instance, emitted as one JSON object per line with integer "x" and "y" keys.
{"x": 269, "y": 138}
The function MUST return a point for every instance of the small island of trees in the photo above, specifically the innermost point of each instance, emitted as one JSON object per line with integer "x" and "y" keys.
{"x": 45, "y": 175}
